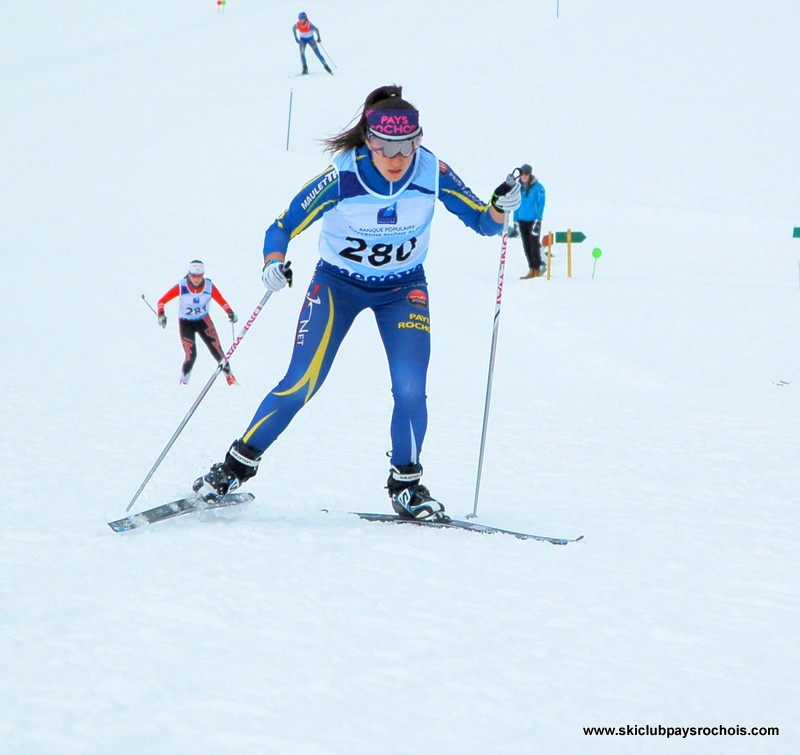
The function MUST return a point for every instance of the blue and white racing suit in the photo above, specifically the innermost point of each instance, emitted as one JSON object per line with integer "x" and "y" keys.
{"x": 372, "y": 246}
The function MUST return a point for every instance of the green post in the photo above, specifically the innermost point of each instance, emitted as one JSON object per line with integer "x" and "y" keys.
{"x": 796, "y": 235}
{"x": 597, "y": 254}
{"x": 575, "y": 237}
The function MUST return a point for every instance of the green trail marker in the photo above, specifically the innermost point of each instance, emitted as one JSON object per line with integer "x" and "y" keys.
{"x": 796, "y": 235}
{"x": 577, "y": 237}
{"x": 597, "y": 253}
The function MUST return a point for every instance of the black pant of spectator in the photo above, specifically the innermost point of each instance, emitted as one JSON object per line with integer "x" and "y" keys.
{"x": 530, "y": 232}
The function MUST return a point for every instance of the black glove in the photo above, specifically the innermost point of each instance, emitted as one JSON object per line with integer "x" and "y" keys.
{"x": 232, "y": 316}
{"x": 162, "y": 320}
{"x": 506, "y": 197}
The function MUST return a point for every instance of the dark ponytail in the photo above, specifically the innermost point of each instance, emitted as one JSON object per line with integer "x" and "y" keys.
{"x": 383, "y": 98}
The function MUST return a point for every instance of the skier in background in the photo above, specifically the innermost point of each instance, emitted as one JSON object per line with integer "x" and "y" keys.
{"x": 196, "y": 292}
{"x": 376, "y": 202}
{"x": 305, "y": 33}
{"x": 528, "y": 219}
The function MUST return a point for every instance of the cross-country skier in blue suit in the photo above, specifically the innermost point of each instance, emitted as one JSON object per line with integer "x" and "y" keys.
{"x": 376, "y": 202}
{"x": 306, "y": 34}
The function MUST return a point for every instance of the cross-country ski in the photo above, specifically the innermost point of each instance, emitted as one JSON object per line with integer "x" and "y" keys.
{"x": 462, "y": 525}
{"x": 178, "y": 507}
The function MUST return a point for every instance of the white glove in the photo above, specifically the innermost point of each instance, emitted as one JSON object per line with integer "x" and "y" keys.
{"x": 276, "y": 275}
{"x": 507, "y": 198}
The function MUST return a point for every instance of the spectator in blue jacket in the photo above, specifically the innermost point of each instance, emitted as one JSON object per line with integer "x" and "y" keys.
{"x": 529, "y": 220}
{"x": 305, "y": 33}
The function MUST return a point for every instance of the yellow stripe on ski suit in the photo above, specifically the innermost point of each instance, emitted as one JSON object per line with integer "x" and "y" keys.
{"x": 466, "y": 200}
{"x": 249, "y": 434}
{"x": 311, "y": 375}
{"x": 312, "y": 216}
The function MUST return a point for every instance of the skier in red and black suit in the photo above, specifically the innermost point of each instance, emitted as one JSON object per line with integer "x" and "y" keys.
{"x": 196, "y": 292}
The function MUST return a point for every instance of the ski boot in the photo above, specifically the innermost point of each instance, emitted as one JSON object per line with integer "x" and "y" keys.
{"x": 411, "y": 500}
{"x": 241, "y": 463}
{"x": 328, "y": 69}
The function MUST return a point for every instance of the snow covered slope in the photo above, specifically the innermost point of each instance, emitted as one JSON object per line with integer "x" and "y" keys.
{"x": 636, "y": 406}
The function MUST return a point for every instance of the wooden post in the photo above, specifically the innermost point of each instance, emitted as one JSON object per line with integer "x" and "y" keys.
{"x": 569, "y": 253}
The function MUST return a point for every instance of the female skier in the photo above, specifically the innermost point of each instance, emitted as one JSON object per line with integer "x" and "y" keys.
{"x": 376, "y": 202}
{"x": 194, "y": 293}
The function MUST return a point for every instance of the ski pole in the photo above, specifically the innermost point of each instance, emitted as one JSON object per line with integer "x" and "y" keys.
{"x": 149, "y": 305}
{"x": 327, "y": 55}
{"x": 201, "y": 396}
{"x": 289, "y": 124}
{"x": 498, "y": 301}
